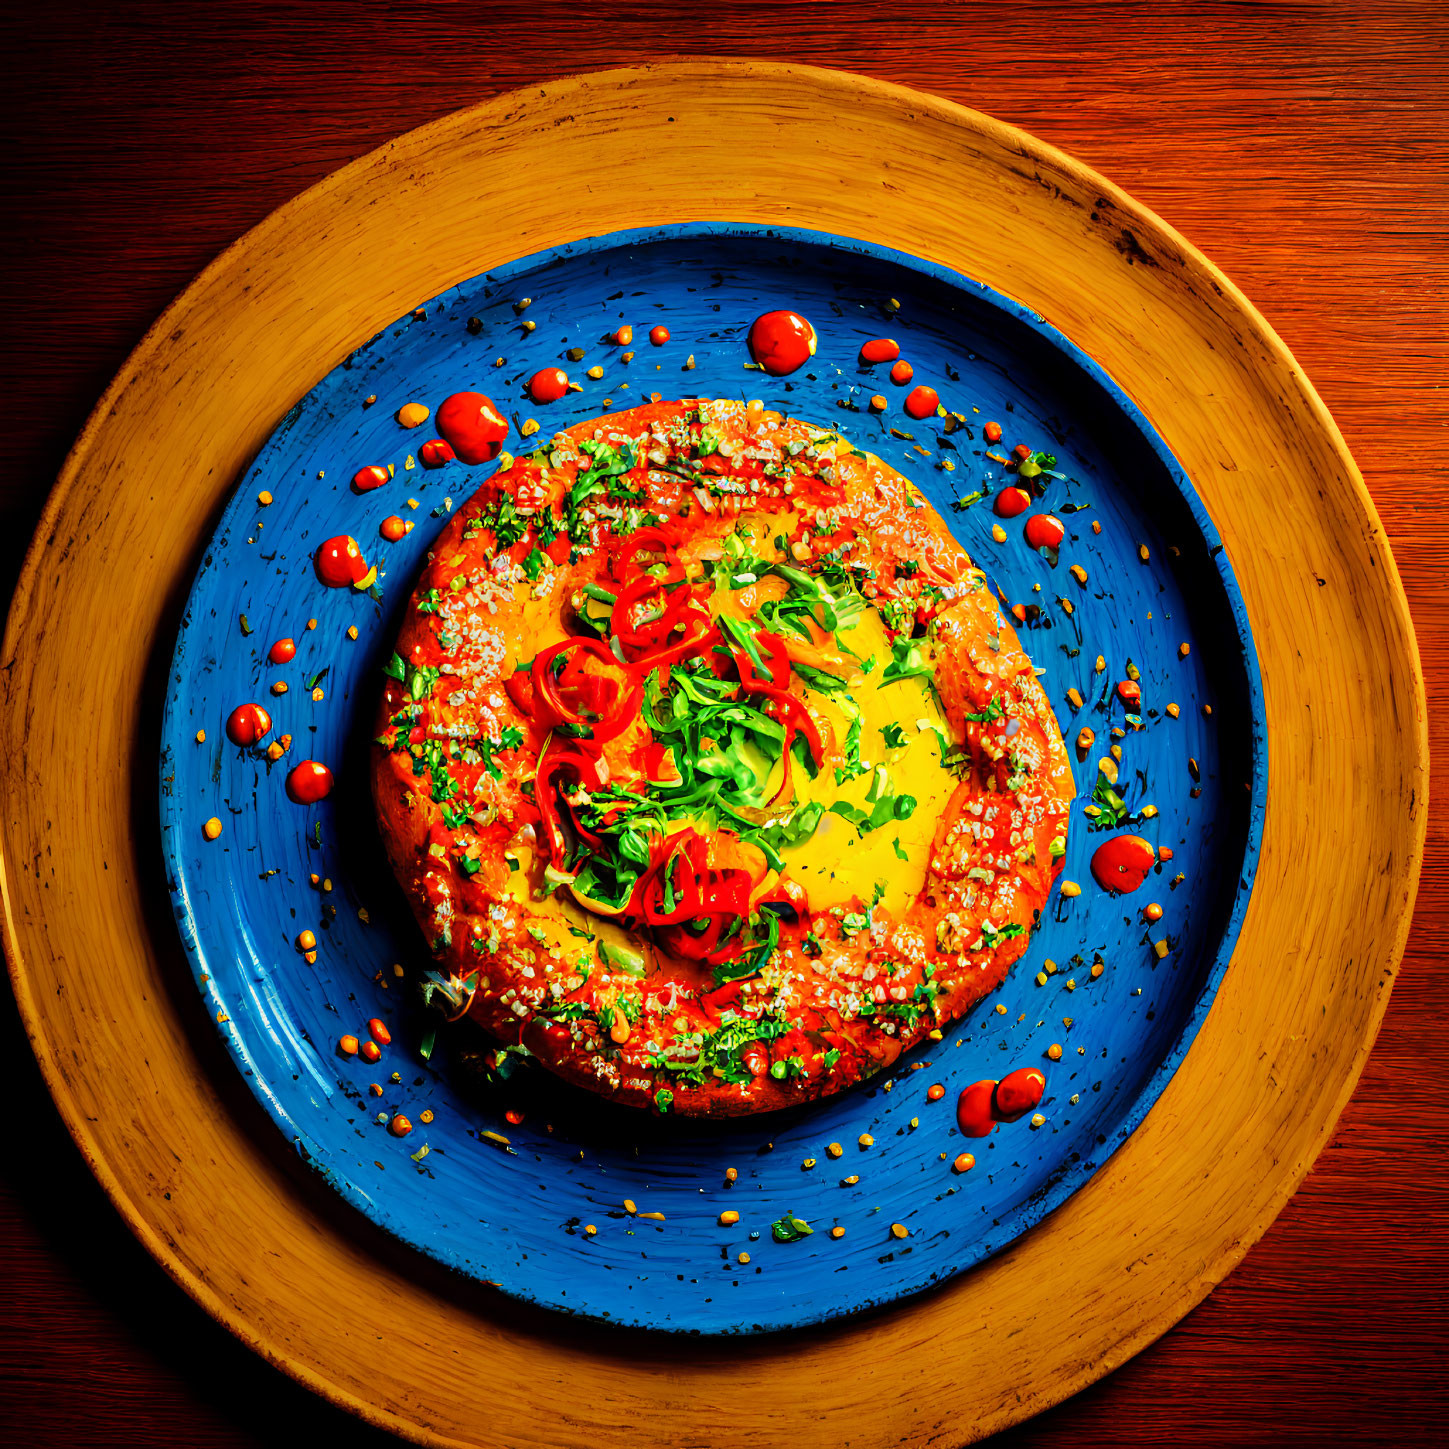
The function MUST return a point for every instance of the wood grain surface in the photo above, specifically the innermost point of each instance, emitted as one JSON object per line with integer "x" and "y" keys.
{"x": 1302, "y": 147}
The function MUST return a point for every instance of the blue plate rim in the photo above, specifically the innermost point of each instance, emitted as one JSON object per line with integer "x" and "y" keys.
{"x": 1073, "y": 1177}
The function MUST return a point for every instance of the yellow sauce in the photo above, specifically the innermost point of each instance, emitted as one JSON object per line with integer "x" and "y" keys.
{"x": 836, "y": 863}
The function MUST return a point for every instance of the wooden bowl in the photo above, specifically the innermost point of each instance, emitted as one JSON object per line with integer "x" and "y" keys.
{"x": 174, "y": 1137}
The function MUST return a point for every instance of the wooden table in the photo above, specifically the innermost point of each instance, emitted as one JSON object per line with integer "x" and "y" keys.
{"x": 1301, "y": 146}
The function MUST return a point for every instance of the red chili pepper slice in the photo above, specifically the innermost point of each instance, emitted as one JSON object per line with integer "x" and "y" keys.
{"x": 722, "y": 998}
{"x": 519, "y": 688}
{"x": 791, "y": 712}
{"x": 680, "y": 942}
{"x": 612, "y": 715}
{"x": 645, "y": 540}
{"x": 556, "y": 761}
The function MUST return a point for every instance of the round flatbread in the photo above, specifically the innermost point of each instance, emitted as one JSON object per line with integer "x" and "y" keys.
{"x": 711, "y": 769}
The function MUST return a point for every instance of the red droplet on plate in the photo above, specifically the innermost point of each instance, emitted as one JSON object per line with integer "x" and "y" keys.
{"x": 366, "y": 479}
{"x": 308, "y": 783}
{"x": 922, "y": 402}
{"x": 880, "y": 349}
{"x": 974, "y": 1115}
{"x": 1044, "y": 530}
{"x": 781, "y": 342}
{"x": 472, "y": 426}
{"x": 548, "y": 384}
{"x": 339, "y": 562}
{"x": 1018, "y": 1093}
{"x": 1011, "y": 502}
{"x": 1121, "y": 864}
{"x": 247, "y": 724}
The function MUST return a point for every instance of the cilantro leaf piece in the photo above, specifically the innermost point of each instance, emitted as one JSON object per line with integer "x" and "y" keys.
{"x": 908, "y": 660}
{"x": 420, "y": 680}
{"x": 752, "y": 961}
{"x": 607, "y": 461}
{"x": 852, "y": 766}
{"x": 992, "y": 939}
{"x": 1115, "y": 810}
{"x": 790, "y": 1229}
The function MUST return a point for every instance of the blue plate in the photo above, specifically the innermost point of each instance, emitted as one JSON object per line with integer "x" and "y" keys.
{"x": 514, "y": 1212}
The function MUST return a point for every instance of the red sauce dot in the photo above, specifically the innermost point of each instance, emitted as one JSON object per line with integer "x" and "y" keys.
{"x": 283, "y": 651}
{"x": 548, "y": 384}
{"x": 366, "y": 479}
{"x": 435, "y": 453}
{"x": 338, "y": 562}
{"x": 1011, "y": 501}
{"x": 659, "y": 336}
{"x": 1044, "y": 530}
{"x": 922, "y": 402}
{"x": 781, "y": 342}
{"x": 472, "y": 426}
{"x": 1018, "y": 1093}
{"x": 247, "y": 724}
{"x": 1121, "y": 864}
{"x": 880, "y": 349}
{"x": 308, "y": 783}
{"x": 974, "y": 1115}
{"x": 902, "y": 373}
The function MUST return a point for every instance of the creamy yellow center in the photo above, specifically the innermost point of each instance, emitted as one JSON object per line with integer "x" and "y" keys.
{"x": 837, "y": 862}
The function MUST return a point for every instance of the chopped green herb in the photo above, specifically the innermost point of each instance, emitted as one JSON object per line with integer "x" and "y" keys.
{"x": 908, "y": 660}
{"x": 790, "y": 1229}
